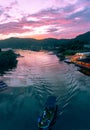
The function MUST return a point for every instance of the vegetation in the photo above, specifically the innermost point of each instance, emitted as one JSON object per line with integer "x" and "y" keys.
{"x": 79, "y": 44}
{"x": 71, "y": 47}
{"x": 7, "y": 60}
{"x": 61, "y": 47}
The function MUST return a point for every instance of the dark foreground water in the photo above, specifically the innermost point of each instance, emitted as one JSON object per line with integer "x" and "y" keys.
{"x": 37, "y": 76}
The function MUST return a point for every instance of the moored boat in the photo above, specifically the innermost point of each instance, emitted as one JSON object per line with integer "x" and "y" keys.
{"x": 67, "y": 60}
{"x": 80, "y": 56}
{"x": 83, "y": 63}
{"x": 84, "y": 71}
{"x": 3, "y": 85}
{"x": 82, "y": 60}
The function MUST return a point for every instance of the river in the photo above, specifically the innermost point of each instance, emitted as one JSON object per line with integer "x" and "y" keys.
{"x": 37, "y": 76}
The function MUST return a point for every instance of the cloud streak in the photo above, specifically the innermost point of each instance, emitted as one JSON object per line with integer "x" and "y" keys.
{"x": 58, "y": 19}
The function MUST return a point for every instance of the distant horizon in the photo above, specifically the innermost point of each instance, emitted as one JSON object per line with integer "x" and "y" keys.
{"x": 40, "y": 19}
{"x": 46, "y": 37}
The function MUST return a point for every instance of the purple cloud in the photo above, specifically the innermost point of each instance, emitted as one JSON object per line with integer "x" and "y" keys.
{"x": 64, "y": 19}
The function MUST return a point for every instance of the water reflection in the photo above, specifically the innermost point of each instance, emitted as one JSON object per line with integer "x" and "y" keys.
{"x": 33, "y": 68}
{"x": 37, "y": 76}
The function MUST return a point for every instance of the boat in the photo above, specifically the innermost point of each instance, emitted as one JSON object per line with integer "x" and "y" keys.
{"x": 80, "y": 56}
{"x": 49, "y": 114}
{"x": 3, "y": 85}
{"x": 83, "y": 63}
{"x": 84, "y": 71}
{"x": 67, "y": 60}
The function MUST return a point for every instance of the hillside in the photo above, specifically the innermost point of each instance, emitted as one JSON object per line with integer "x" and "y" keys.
{"x": 47, "y": 44}
{"x": 33, "y": 44}
{"x": 84, "y": 37}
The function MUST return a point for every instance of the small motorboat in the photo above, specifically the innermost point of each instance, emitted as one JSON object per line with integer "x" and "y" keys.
{"x": 67, "y": 60}
{"x": 48, "y": 116}
{"x": 3, "y": 85}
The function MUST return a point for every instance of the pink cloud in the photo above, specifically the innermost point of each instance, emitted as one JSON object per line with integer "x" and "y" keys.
{"x": 64, "y": 20}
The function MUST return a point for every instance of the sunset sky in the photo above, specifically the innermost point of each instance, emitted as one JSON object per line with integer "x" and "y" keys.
{"x": 44, "y": 18}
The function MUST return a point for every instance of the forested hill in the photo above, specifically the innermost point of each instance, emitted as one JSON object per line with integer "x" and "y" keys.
{"x": 47, "y": 44}
{"x": 33, "y": 44}
{"x": 84, "y": 37}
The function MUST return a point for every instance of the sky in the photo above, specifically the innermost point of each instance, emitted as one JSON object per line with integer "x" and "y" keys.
{"x": 44, "y": 18}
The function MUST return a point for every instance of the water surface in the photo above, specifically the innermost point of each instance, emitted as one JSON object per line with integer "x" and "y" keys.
{"x": 37, "y": 76}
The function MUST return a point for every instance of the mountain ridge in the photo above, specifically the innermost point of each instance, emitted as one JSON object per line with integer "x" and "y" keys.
{"x": 34, "y": 44}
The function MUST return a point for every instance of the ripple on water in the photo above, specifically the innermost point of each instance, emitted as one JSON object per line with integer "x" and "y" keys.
{"x": 37, "y": 76}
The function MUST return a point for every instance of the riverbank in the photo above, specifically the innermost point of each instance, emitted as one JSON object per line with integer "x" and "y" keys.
{"x": 8, "y": 60}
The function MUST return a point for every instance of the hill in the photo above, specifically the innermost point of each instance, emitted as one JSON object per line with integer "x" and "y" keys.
{"x": 28, "y": 43}
{"x": 46, "y": 44}
{"x": 84, "y": 37}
